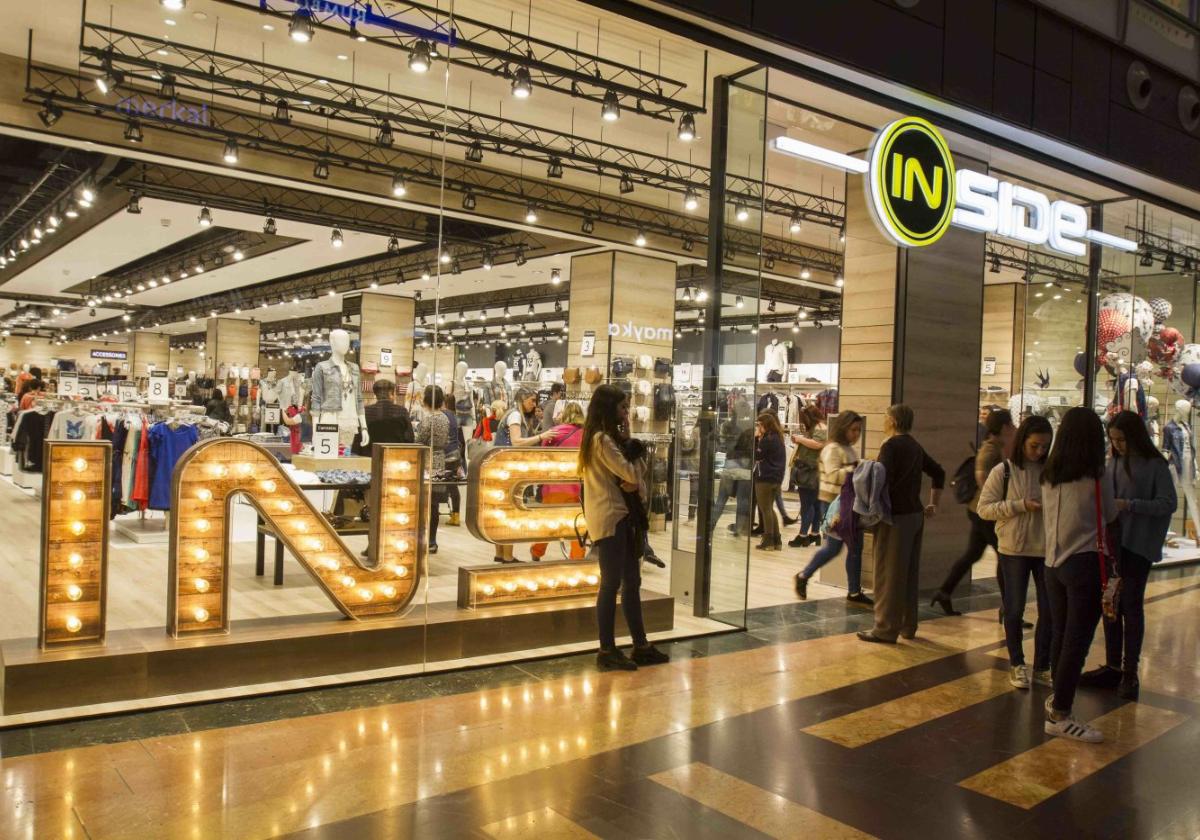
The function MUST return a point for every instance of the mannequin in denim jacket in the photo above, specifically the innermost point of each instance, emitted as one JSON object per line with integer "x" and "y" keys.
{"x": 343, "y": 407}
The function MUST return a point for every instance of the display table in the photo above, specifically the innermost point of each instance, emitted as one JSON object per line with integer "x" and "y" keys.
{"x": 311, "y": 463}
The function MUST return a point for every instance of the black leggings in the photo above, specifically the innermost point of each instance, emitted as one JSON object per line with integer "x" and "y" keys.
{"x": 983, "y": 534}
{"x": 619, "y": 570}
{"x": 1124, "y": 636}
{"x": 1074, "y": 590}
{"x": 435, "y": 504}
{"x": 455, "y": 498}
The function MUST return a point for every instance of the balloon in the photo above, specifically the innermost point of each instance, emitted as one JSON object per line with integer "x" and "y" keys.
{"x": 1081, "y": 364}
{"x": 1188, "y": 363}
{"x": 1161, "y": 307}
{"x": 1190, "y": 374}
{"x": 1139, "y": 317}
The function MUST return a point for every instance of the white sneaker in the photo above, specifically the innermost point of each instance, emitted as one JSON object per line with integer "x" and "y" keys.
{"x": 1068, "y": 727}
{"x": 1041, "y": 676}
{"x": 1018, "y": 675}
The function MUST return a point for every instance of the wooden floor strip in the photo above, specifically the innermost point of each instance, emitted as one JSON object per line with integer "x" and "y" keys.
{"x": 1029, "y": 779}
{"x": 886, "y": 719}
{"x": 750, "y": 805}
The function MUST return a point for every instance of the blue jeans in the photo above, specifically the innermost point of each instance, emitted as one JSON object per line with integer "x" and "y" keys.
{"x": 812, "y": 510}
{"x": 830, "y": 549}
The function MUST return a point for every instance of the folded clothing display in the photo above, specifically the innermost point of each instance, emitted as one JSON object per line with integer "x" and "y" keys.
{"x": 343, "y": 477}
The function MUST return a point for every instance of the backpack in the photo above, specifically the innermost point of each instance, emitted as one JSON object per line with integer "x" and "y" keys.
{"x": 964, "y": 483}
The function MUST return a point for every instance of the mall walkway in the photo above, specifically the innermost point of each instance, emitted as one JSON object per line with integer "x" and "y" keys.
{"x": 794, "y": 729}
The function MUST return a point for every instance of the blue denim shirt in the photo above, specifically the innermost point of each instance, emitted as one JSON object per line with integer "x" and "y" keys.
{"x": 327, "y": 387}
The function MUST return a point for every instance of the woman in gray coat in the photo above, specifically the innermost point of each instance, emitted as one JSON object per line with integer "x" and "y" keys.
{"x": 1145, "y": 494}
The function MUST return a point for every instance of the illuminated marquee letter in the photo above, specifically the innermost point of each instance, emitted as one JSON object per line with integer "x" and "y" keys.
{"x": 1036, "y": 230}
{"x": 211, "y": 474}
{"x": 75, "y": 509}
{"x": 1068, "y": 224}
{"x": 976, "y": 207}
{"x": 497, "y": 510}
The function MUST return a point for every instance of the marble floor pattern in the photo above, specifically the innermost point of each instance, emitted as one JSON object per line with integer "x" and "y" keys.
{"x": 793, "y": 728}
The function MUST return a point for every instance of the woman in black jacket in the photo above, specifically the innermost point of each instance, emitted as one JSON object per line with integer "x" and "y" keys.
{"x": 770, "y": 461}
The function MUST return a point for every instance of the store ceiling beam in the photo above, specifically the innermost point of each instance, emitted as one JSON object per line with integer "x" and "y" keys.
{"x": 497, "y": 51}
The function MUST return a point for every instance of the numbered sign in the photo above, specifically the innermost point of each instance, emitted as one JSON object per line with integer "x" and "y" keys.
{"x": 587, "y": 347}
{"x": 68, "y": 384}
{"x": 385, "y": 357}
{"x": 325, "y": 440}
{"x": 127, "y": 392}
{"x": 108, "y": 389}
{"x": 180, "y": 390}
{"x": 160, "y": 388}
{"x": 87, "y": 387}
{"x": 271, "y": 416}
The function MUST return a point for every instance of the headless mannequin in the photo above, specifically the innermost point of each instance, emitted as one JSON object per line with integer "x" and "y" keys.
{"x": 416, "y": 394}
{"x": 775, "y": 361}
{"x": 499, "y": 382}
{"x": 349, "y": 420}
{"x": 463, "y": 397}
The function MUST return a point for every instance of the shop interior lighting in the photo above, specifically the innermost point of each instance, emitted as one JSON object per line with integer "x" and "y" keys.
{"x": 230, "y": 153}
{"x": 689, "y": 244}
{"x": 741, "y": 212}
{"x": 1168, "y": 263}
{"x": 393, "y": 245}
{"x": 531, "y": 215}
{"x": 769, "y": 263}
{"x": 238, "y": 255}
{"x": 687, "y": 128}
{"x": 205, "y": 218}
{"x": 521, "y": 259}
{"x": 626, "y": 185}
{"x": 385, "y": 138}
{"x": 690, "y": 200}
{"x": 49, "y": 113}
{"x": 283, "y": 113}
{"x": 109, "y": 80}
{"x": 444, "y": 257}
{"x": 842, "y": 235}
{"x": 640, "y": 239}
{"x": 805, "y": 274}
{"x": 321, "y": 168}
{"x": 555, "y": 276}
{"x": 135, "y": 204}
{"x": 795, "y": 223}
{"x": 554, "y": 169}
{"x": 474, "y": 153}
{"x": 468, "y": 201}
{"x": 771, "y": 305}
{"x": 839, "y": 281}
{"x": 421, "y": 57}
{"x": 588, "y": 226}
{"x": 701, "y": 295}
{"x": 610, "y": 109}
{"x": 522, "y": 85}
{"x": 1146, "y": 260}
{"x": 739, "y": 303}
{"x": 300, "y": 27}
{"x": 269, "y": 226}
{"x": 399, "y": 187}
{"x": 687, "y": 294}
{"x": 995, "y": 269}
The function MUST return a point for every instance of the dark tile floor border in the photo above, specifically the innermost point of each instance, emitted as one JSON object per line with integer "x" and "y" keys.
{"x": 765, "y": 626}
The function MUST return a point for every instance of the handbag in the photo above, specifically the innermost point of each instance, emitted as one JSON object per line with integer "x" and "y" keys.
{"x": 1110, "y": 584}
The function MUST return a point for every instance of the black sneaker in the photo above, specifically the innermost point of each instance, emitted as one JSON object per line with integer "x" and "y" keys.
{"x": 802, "y": 587}
{"x": 1129, "y": 687}
{"x": 861, "y": 599}
{"x": 614, "y": 660}
{"x": 649, "y": 655}
{"x": 1102, "y": 677}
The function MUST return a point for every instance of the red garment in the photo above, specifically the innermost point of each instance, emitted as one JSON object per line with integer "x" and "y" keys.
{"x": 564, "y": 435}
{"x": 292, "y": 411}
{"x": 485, "y": 428}
{"x": 140, "y": 495}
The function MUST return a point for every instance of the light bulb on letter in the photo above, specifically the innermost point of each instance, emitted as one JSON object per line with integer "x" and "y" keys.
{"x": 301, "y": 526}
{"x": 74, "y": 624}
{"x": 365, "y": 594}
{"x": 402, "y": 492}
{"x": 498, "y": 495}
{"x": 401, "y": 518}
{"x": 200, "y": 554}
{"x": 79, "y": 465}
{"x": 592, "y": 580}
{"x": 200, "y": 614}
{"x": 201, "y": 525}
{"x": 75, "y": 560}
{"x": 572, "y": 581}
{"x": 78, "y": 496}
{"x": 204, "y": 494}
{"x": 245, "y": 468}
{"x": 401, "y": 545}
{"x": 74, "y": 592}
{"x": 388, "y": 591}
{"x": 403, "y": 466}
{"x": 201, "y": 584}
{"x": 268, "y": 486}
{"x": 77, "y": 528}
{"x": 509, "y": 586}
{"x": 315, "y": 544}
{"x": 219, "y": 470}
{"x": 347, "y": 581}
{"x": 331, "y": 564}
{"x": 285, "y": 506}
{"x": 399, "y": 571}
{"x": 488, "y": 589}
{"x": 531, "y": 586}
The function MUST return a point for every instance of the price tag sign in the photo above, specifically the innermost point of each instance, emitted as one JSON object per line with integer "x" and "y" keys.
{"x": 385, "y": 357}
{"x": 180, "y": 390}
{"x": 127, "y": 392}
{"x": 108, "y": 388}
{"x": 325, "y": 440}
{"x": 160, "y": 388}
{"x": 87, "y": 387}
{"x": 989, "y": 365}
{"x": 271, "y": 416}
{"x": 68, "y": 384}
{"x": 587, "y": 347}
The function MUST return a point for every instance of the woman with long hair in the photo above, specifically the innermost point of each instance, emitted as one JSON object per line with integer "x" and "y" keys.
{"x": 1077, "y": 504}
{"x": 570, "y": 433}
{"x": 770, "y": 460}
{"x": 608, "y": 477}
{"x": 837, "y": 461}
{"x": 1011, "y": 497}
{"x": 806, "y": 476}
{"x": 1145, "y": 494}
{"x": 519, "y": 428}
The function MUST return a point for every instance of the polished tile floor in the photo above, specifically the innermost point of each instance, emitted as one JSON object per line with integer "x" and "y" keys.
{"x": 791, "y": 729}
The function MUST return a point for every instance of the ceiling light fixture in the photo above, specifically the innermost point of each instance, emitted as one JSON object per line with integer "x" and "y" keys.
{"x": 739, "y": 303}
{"x": 474, "y": 153}
{"x": 610, "y": 110}
{"x": 741, "y": 212}
{"x": 321, "y": 169}
{"x": 640, "y": 239}
{"x": 421, "y": 57}
{"x": 626, "y": 185}
{"x": 444, "y": 257}
{"x": 133, "y": 132}
{"x": 238, "y": 255}
{"x": 531, "y": 215}
{"x": 393, "y": 245}
{"x": 839, "y": 281}
{"x": 688, "y": 244}
{"x": 300, "y": 27}
{"x": 554, "y": 169}
{"x": 269, "y": 226}
{"x": 487, "y": 261}
{"x": 399, "y": 187}
{"x": 50, "y": 113}
{"x": 687, "y": 128}
{"x": 205, "y": 218}
{"x": 690, "y": 199}
{"x": 522, "y": 85}
{"x": 555, "y": 276}
{"x": 468, "y": 200}
{"x": 995, "y": 269}
{"x": 520, "y": 258}
{"x": 385, "y": 137}
{"x": 805, "y": 274}
{"x": 135, "y": 204}
{"x": 230, "y": 153}
{"x": 335, "y": 238}
{"x": 588, "y": 225}
{"x": 795, "y": 222}
{"x": 110, "y": 80}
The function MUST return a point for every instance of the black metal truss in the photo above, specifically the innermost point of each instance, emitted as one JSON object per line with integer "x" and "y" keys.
{"x": 258, "y": 85}
{"x": 355, "y": 153}
{"x": 1035, "y": 264}
{"x": 1156, "y": 245}
{"x": 194, "y": 340}
{"x": 49, "y": 194}
{"x": 498, "y": 52}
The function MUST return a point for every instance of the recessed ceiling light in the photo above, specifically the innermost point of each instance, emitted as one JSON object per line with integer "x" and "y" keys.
{"x": 342, "y": 57}
{"x": 168, "y": 21}
{"x": 268, "y": 27}
{"x": 163, "y": 52}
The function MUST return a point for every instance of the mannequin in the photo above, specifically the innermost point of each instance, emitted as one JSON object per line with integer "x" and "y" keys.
{"x": 464, "y": 402}
{"x": 291, "y": 405}
{"x": 336, "y": 394}
{"x": 497, "y": 389}
{"x": 1153, "y": 422}
{"x": 775, "y": 361}
{"x": 1177, "y": 441}
{"x": 533, "y": 365}
{"x": 416, "y": 393}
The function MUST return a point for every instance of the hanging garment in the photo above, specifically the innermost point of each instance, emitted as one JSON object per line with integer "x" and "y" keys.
{"x": 167, "y": 446}
{"x": 775, "y": 359}
{"x": 119, "y": 438}
{"x": 141, "y": 478}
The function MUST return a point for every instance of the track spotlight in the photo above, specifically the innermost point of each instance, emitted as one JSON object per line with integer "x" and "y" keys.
{"x": 173, "y": 5}
{"x": 690, "y": 200}
{"x": 133, "y": 132}
{"x": 805, "y": 274}
{"x": 393, "y": 245}
{"x": 741, "y": 212}
{"x": 135, "y": 204}
{"x": 626, "y": 184}
{"x": 50, "y": 113}
{"x": 739, "y": 303}
{"x": 487, "y": 261}
{"x": 421, "y": 57}
{"x": 269, "y": 227}
{"x": 588, "y": 225}
{"x": 554, "y": 169}
{"x": 520, "y": 259}
{"x": 531, "y": 215}
{"x": 399, "y": 188}
{"x": 166, "y": 86}
{"x": 474, "y": 152}
{"x": 385, "y": 138}
{"x": 689, "y": 244}
{"x": 610, "y": 110}
{"x": 205, "y": 218}
{"x": 468, "y": 200}
{"x": 283, "y": 112}
{"x": 230, "y": 153}
{"x": 640, "y": 239}
{"x": 555, "y": 276}
{"x": 995, "y": 269}
{"x": 300, "y": 27}
{"x": 110, "y": 80}
{"x": 687, "y": 128}
{"x": 335, "y": 238}
{"x": 522, "y": 85}
{"x": 321, "y": 169}
{"x": 795, "y": 222}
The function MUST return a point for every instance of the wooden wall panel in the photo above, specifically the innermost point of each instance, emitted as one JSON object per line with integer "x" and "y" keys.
{"x": 149, "y": 349}
{"x": 1000, "y": 332}
{"x": 231, "y": 341}
{"x": 387, "y": 321}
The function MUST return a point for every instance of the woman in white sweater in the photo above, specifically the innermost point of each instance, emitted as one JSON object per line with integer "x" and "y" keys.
{"x": 1012, "y": 498}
